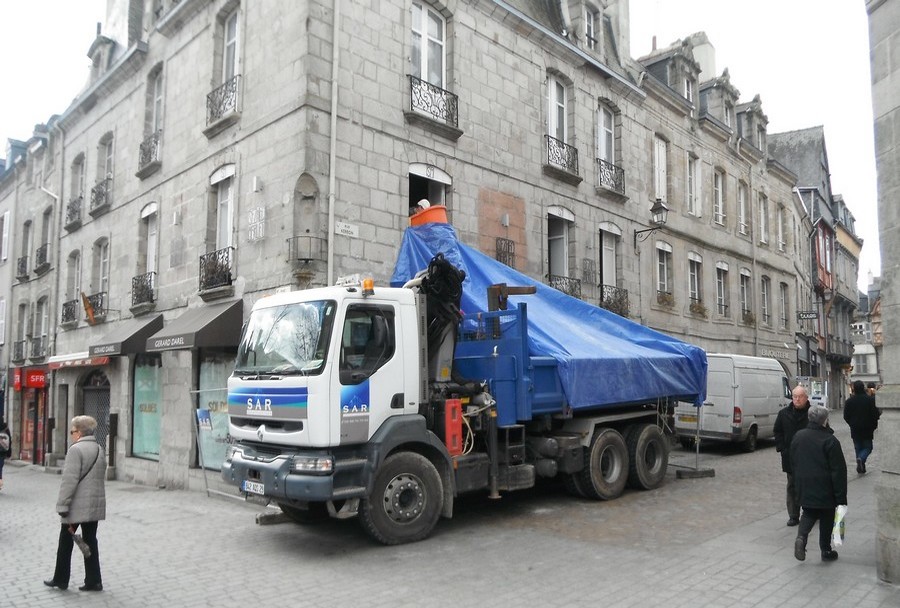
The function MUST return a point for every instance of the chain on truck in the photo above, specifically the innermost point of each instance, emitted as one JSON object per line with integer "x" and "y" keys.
{"x": 386, "y": 404}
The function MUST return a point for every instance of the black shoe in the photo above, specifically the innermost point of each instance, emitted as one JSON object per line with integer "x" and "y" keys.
{"x": 860, "y": 468}
{"x": 863, "y": 465}
{"x": 96, "y": 587}
{"x": 800, "y": 548}
{"x": 793, "y": 522}
{"x": 53, "y": 583}
{"x": 830, "y": 555}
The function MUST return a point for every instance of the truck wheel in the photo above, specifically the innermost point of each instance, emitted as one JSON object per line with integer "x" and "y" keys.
{"x": 749, "y": 444}
{"x": 648, "y": 452}
{"x": 406, "y": 500}
{"x": 605, "y": 466}
{"x": 573, "y": 485}
{"x": 314, "y": 512}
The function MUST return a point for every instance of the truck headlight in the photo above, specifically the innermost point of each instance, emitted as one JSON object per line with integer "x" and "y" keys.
{"x": 316, "y": 465}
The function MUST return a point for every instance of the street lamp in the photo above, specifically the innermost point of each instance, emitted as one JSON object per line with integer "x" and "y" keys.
{"x": 659, "y": 212}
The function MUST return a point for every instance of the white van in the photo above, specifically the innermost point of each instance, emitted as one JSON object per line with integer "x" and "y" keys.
{"x": 743, "y": 396}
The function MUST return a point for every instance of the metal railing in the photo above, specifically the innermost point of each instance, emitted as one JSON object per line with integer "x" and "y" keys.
{"x": 149, "y": 150}
{"x": 215, "y": 269}
{"x": 722, "y": 309}
{"x": 101, "y": 194}
{"x": 143, "y": 288}
{"x": 39, "y": 347}
{"x": 97, "y": 302}
{"x": 223, "y": 100}
{"x": 73, "y": 210}
{"x": 610, "y": 176}
{"x": 70, "y": 311}
{"x": 18, "y": 351}
{"x": 42, "y": 256}
{"x": 567, "y": 285}
{"x": 438, "y": 103}
{"x": 562, "y": 155}
{"x": 614, "y": 299}
{"x": 22, "y": 267}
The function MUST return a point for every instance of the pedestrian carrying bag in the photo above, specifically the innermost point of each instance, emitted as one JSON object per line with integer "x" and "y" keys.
{"x": 837, "y": 532}
{"x": 4, "y": 443}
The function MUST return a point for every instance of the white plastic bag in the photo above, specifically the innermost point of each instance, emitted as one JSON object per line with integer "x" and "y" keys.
{"x": 837, "y": 532}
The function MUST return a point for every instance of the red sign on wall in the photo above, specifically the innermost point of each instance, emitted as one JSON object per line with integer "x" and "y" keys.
{"x": 35, "y": 378}
{"x": 17, "y": 378}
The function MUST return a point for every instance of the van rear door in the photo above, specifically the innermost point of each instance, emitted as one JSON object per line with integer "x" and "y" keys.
{"x": 718, "y": 409}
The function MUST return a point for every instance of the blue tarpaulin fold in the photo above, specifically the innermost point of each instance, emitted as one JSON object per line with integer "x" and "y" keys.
{"x": 603, "y": 359}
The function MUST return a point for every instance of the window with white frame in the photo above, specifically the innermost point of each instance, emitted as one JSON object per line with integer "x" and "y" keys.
{"x": 663, "y": 268}
{"x": 693, "y": 185}
{"x": 41, "y": 322}
{"x": 608, "y": 264}
{"x": 763, "y": 204}
{"x": 719, "y": 197}
{"x": 558, "y": 245}
{"x": 745, "y": 292}
{"x": 148, "y": 238}
{"x": 428, "y": 44}
{"x": 689, "y": 89}
{"x": 722, "y": 288}
{"x": 230, "y": 46}
{"x": 73, "y": 276}
{"x": 695, "y": 277}
{"x": 660, "y": 162}
{"x": 606, "y": 132}
{"x": 743, "y": 224}
{"x": 222, "y": 184}
{"x": 783, "y": 304}
{"x": 155, "y": 101}
{"x": 4, "y": 236}
{"x": 106, "y": 156}
{"x": 78, "y": 177}
{"x": 781, "y": 231}
{"x": 558, "y": 116}
{"x": 101, "y": 266}
{"x": 2, "y": 321}
{"x": 764, "y": 304}
{"x": 590, "y": 27}
{"x": 729, "y": 115}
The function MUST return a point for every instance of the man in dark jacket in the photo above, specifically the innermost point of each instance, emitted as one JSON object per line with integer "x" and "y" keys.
{"x": 791, "y": 419}
{"x": 820, "y": 473}
{"x": 862, "y": 416}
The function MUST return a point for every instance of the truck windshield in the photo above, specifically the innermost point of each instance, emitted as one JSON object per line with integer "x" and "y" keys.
{"x": 288, "y": 339}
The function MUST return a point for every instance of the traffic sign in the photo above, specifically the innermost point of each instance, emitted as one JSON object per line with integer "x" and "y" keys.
{"x": 807, "y": 314}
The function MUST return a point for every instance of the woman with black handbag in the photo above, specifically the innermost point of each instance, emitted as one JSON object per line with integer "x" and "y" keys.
{"x": 82, "y": 502}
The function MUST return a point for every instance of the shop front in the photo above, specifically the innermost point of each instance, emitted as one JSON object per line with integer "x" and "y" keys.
{"x": 30, "y": 388}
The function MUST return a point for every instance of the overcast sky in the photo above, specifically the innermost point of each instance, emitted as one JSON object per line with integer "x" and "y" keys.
{"x": 809, "y": 65}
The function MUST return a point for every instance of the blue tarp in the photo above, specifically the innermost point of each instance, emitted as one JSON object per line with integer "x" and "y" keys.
{"x": 603, "y": 359}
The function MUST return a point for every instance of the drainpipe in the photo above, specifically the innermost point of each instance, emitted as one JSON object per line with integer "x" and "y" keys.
{"x": 753, "y": 244}
{"x": 62, "y": 410}
{"x": 332, "y": 154}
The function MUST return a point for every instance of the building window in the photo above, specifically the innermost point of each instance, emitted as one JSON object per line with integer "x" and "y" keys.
{"x": 693, "y": 185}
{"x": 695, "y": 277}
{"x": 558, "y": 115}
{"x": 763, "y": 203}
{"x": 719, "y": 197}
{"x": 608, "y": 263}
{"x": 729, "y": 115}
{"x": 4, "y": 236}
{"x": 764, "y": 291}
{"x": 78, "y": 177}
{"x": 689, "y": 90}
{"x": 743, "y": 224}
{"x": 781, "y": 231}
{"x": 746, "y": 307}
{"x": 148, "y": 238}
{"x": 230, "y": 55}
{"x": 558, "y": 245}
{"x": 606, "y": 140}
{"x": 722, "y": 289}
{"x": 663, "y": 268}
{"x": 2, "y": 321}
{"x": 660, "y": 162}
{"x": 101, "y": 266}
{"x": 428, "y": 47}
{"x": 147, "y": 410}
{"x": 590, "y": 27}
{"x": 783, "y": 304}
{"x": 222, "y": 209}
{"x": 105, "y": 157}
{"x": 155, "y": 102}
{"x": 73, "y": 276}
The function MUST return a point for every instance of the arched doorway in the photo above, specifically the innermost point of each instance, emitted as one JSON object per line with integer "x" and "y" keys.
{"x": 96, "y": 403}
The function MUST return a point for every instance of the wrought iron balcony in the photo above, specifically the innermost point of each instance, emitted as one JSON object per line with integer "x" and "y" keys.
{"x": 567, "y": 285}
{"x": 506, "y": 252}
{"x": 22, "y": 267}
{"x": 143, "y": 289}
{"x": 42, "y": 258}
{"x": 610, "y": 176}
{"x": 69, "y": 312}
{"x": 96, "y": 307}
{"x": 73, "y": 213}
{"x": 215, "y": 269}
{"x": 561, "y": 155}
{"x": 722, "y": 309}
{"x": 39, "y": 347}
{"x": 434, "y": 101}
{"x": 614, "y": 299}
{"x": 18, "y": 351}
{"x": 222, "y": 102}
{"x": 101, "y": 197}
{"x": 149, "y": 159}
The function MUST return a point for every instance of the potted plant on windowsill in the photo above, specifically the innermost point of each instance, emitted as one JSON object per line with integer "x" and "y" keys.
{"x": 664, "y": 298}
{"x": 699, "y": 309}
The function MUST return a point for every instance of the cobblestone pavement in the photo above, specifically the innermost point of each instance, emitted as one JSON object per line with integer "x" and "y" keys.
{"x": 719, "y": 541}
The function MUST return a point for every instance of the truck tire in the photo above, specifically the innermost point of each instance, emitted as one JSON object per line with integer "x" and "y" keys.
{"x": 605, "y": 466}
{"x": 406, "y": 500}
{"x": 314, "y": 512}
{"x": 749, "y": 444}
{"x": 572, "y": 483}
{"x": 648, "y": 452}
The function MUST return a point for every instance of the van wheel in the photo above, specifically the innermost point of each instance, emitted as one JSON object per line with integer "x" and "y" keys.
{"x": 406, "y": 500}
{"x": 605, "y": 466}
{"x": 648, "y": 453}
{"x": 749, "y": 444}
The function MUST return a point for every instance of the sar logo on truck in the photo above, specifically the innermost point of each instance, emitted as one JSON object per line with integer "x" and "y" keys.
{"x": 268, "y": 402}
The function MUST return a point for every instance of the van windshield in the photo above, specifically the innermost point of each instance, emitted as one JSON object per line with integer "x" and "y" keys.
{"x": 287, "y": 339}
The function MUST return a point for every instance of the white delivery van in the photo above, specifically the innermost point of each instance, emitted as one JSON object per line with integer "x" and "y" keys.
{"x": 743, "y": 396}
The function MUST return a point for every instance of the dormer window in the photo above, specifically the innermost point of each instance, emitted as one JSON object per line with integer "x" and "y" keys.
{"x": 729, "y": 115}
{"x": 689, "y": 90}
{"x": 761, "y": 138}
{"x": 590, "y": 28}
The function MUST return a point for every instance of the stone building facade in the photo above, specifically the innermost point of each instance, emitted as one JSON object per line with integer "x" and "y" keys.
{"x": 227, "y": 150}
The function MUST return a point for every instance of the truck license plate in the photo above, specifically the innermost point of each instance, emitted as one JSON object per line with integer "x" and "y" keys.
{"x": 254, "y": 487}
{"x": 687, "y": 418}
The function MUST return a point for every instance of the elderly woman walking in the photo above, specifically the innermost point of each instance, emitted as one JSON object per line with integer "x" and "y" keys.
{"x": 81, "y": 503}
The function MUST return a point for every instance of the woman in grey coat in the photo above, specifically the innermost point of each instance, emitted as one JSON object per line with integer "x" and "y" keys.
{"x": 81, "y": 503}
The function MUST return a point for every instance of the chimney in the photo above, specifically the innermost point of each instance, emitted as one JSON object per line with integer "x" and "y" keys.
{"x": 654, "y": 43}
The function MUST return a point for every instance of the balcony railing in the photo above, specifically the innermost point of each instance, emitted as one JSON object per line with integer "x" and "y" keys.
{"x": 722, "y": 309}
{"x": 70, "y": 312}
{"x": 22, "y": 267}
{"x": 223, "y": 100}
{"x": 142, "y": 289}
{"x": 567, "y": 285}
{"x": 562, "y": 155}
{"x": 614, "y": 299}
{"x": 610, "y": 176}
{"x": 101, "y": 196}
{"x": 39, "y": 347}
{"x": 149, "y": 159}
{"x": 73, "y": 213}
{"x": 18, "y": 351}
{"x": 96, "y": 306}
{"x": 215, "y": 269}
{"x": 434, "y": 101}
{"x": 42, "y": 258}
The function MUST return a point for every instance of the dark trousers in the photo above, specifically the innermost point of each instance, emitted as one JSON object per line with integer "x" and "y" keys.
{"x": 64, "y": 555}
{"x": 793, "y": 506}
{"x": 825, "y": 517}
{"x": 863, "y": 448}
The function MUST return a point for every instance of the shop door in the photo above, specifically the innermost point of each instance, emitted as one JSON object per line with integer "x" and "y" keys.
{"x": 96, "y": 405}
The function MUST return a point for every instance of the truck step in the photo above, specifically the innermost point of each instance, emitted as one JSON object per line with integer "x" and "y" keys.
{"x": 346, "y": 464}
{"x": 348, "y": 492}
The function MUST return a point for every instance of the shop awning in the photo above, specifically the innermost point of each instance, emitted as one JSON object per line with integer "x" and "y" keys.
{"x": 211, "y": 326}
{"x": 80, "y": 359}
{"x": 129, "y": 337}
